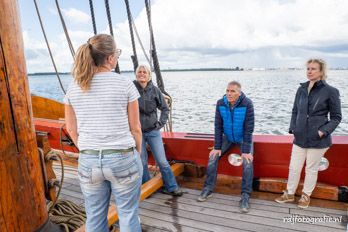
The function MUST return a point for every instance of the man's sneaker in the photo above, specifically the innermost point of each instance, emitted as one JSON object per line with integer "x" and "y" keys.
{"x": 204, "y": 196}
{"x": 244, "y": 204}
{"x": 304, "y": 201}
{"x": 176, "y": 193}
{"x": 285, "y": 197}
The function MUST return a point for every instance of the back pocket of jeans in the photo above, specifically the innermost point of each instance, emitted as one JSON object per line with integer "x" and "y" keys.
{"x": 85, "y": 174}
{"x": 126, "y": 175}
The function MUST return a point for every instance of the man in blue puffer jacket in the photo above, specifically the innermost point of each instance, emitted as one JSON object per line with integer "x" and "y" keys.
{"x": 234, "y": 125}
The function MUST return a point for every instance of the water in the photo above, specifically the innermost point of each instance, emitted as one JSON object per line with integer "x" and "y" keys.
{"x": 195, "y": 94}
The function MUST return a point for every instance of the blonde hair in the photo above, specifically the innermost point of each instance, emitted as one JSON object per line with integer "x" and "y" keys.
{"x": 90, "y": 56}
{"x": 147, "y": 69}
{"x": 322, "y": 66}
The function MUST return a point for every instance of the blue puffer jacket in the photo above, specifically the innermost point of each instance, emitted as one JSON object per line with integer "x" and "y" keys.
{"x": 236, "y": 123}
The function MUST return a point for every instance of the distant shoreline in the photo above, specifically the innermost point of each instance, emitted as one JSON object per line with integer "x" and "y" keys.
{"x": 237, "y": 69}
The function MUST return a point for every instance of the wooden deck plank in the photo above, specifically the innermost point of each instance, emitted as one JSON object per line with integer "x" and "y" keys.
{"x": 180, "y": 222}
{"x": 161, "y": 225}
{"x": 265, "y": 202}
{"x": 274, "y": 206}
{"x": 261, "y": 217}
{"x": 220, "y": 213}
{"x": 212, "y": 221}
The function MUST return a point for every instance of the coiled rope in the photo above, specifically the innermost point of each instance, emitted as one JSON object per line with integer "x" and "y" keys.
{"x": 67, "y": 214}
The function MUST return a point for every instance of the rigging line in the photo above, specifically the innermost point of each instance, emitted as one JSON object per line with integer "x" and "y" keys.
{"x": 72, "y": 51}
{"x": 159, "y": 78}
{"x": 141, "y": 44}
{"x": 107, "y": 7}
{"x": 92, "y": 16}
{"x": 134, "y": 56}
{"x": 48, "y": 47}
{"x": 151, "y": 48}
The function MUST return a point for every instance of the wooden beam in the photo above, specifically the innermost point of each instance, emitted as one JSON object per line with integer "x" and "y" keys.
{"x": 232, "y": 184}
{"x": 47, "y": 108}
{"x": 22, "y": 199}
{"x": 146, "y": 190}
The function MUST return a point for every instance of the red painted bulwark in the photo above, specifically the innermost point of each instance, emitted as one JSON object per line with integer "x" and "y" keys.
{"x": 271, "y": 152}
{"x": 272, "y": 155}
{"x": 55, "y": 130}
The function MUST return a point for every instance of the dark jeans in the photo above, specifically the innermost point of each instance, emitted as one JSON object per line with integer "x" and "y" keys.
{"x": 248, "y": 170}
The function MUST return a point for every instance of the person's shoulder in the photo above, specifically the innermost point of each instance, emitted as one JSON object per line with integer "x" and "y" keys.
{"x": 220, "y": 102}
{"x": 120, "y": 79}
{"x": 246, "y": 99}
{"x": 330, "y": 87}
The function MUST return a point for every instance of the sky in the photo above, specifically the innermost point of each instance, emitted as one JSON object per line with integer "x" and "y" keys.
{"x": 197, "y": 33}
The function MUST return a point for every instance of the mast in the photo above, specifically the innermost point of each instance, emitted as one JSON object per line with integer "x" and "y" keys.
{"x": 22, "y": 199}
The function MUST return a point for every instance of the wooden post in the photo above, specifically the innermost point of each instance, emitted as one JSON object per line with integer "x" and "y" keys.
{"x": 22, "y": 200}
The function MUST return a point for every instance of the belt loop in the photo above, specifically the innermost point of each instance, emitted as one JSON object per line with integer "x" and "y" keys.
{"x": 100, "y": 157}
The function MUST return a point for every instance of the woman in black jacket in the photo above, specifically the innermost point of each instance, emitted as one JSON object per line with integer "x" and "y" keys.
{"x": 315, "y": 100}
{"x": 150, "y": 100}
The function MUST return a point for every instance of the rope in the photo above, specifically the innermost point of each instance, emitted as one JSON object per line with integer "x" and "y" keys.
{"x": 107, "y": 7}
{"x": 141, "y": 44}
{"x": 159, "y": 79}
{"x": 48, "y": 47}
{"x": 134, "y": 57}
{"x": 169, "y": 125}
{"x": 72, "y": 51}
{"x": 63, "y": 212}
{"x": 92, "y": 15}
{"x": 60, "y": 186}
{"x": 67, "y": 214}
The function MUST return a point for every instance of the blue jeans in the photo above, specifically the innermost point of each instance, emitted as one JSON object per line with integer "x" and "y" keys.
{"x": 248, "y": 171}
{"x": 120, "y": 174}
{"x": 154, "y": 139}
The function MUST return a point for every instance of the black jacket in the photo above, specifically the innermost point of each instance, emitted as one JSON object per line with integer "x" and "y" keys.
{"x": 150, "y": 100}
{"x": 310, "y": 114}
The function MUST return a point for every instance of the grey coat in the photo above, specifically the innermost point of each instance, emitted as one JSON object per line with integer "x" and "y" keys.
{"x": 150, "y": 100}
{"x": 310, "y": 114}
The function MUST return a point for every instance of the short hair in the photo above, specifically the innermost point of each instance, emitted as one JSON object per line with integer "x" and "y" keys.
{"x": 322, "y": 66}
{"x": 236, "y": 83}
{"x": 147, "y": 69}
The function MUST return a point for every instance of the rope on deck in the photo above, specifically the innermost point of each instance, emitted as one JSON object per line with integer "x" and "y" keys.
{"x": 67, "y": 214}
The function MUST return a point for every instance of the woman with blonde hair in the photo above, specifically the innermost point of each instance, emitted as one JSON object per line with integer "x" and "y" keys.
{"x": 315, "y": 100}
{"x": 150, "y": 100}
{"x": 102, "y": 118}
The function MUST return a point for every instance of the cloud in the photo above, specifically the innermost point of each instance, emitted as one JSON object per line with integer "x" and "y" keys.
{"x": 76, "y": 16}
{"x": 206, "y": 29}
{"x": 225, "y": 33}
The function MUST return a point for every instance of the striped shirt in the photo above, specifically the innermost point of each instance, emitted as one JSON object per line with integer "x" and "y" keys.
{"x": 102, "y": 113}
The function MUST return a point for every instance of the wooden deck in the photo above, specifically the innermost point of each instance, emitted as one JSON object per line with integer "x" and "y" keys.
{"x": 220, "y": 213}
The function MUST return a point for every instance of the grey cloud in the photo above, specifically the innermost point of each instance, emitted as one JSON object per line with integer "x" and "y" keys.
{"x": 331, "y": 48}
{"x": 32, "y": 54}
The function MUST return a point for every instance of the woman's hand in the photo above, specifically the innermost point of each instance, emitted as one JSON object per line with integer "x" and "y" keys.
{"x": 321, "y": 134}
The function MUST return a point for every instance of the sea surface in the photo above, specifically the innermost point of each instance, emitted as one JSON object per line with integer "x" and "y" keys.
{"x": 195, "y": 94}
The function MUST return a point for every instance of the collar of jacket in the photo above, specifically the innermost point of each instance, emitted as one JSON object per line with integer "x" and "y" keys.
{"x": 241, "y": 97}
{"x": 140, "y": 88}
{"x": 316, "y": 84}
